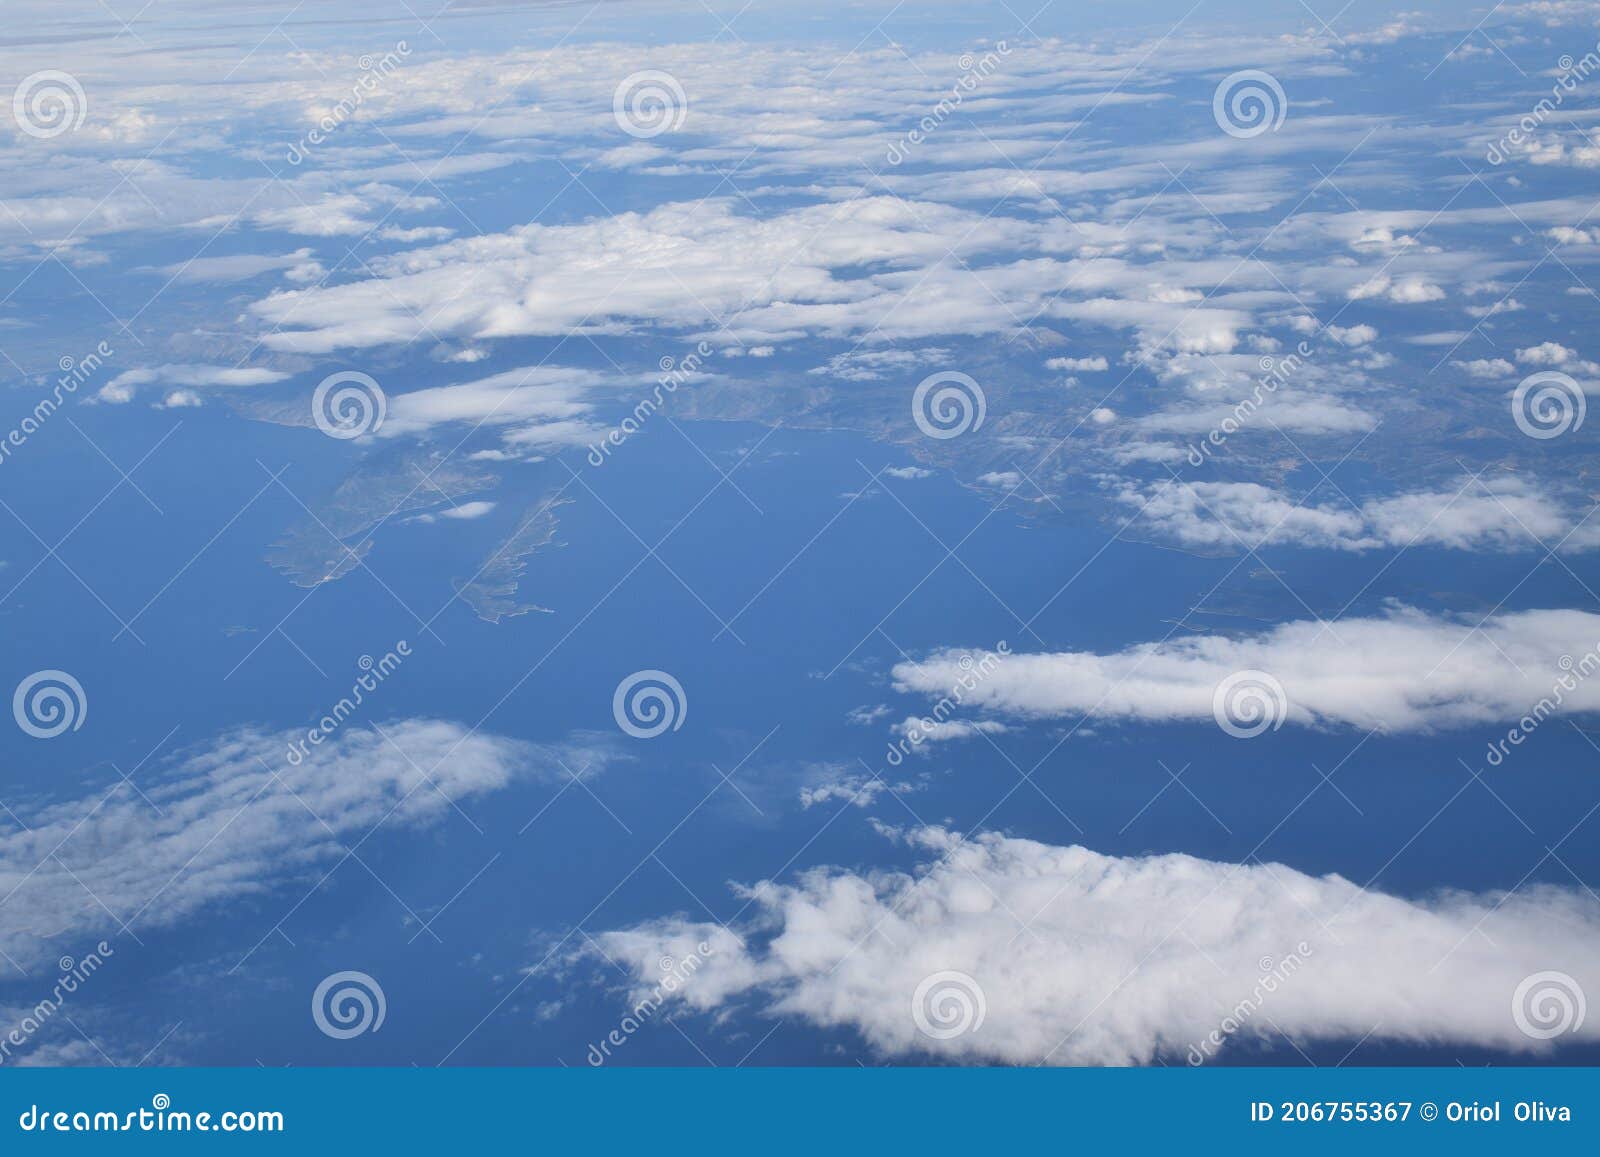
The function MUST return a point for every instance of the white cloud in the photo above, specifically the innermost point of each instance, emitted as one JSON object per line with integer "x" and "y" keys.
{"x": 464, "y": 511}
{"x": 1404, "y": 671}
{"x": 1354, "y": 335}
{"x": 1089, "y": 959}
{"x": 851, "y": 787}
{"x": 1551, "y": 353}
{"x": 420, "y": 233}
{"x": 937, "y": 731}
{"x": 873, "y": 365}
{"x": 237, "y": 819}
{"x": 240, "y": 267}
{"x": 1506, "y": 514}
{"x": 1094, "y": 364}
{"x": 1297, "y": 413}
{"x": 691, "y": 264}
{"x": 535, "y": 406}
{"x": 468, "y": 510}
{"x": 123, "y": 387}
{"x": 333, "y": 216}
{"x": 1406, "y": 291}
{"x": 1487, "y": 369}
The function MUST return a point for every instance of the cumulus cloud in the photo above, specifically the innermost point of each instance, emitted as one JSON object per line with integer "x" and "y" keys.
{"x": 1404, "y": 291}
{"x": 1298, "y": 413}
{"x": 236, "y": 818}
{"x": 937, "y": 731}
{"x": 1487, "y": 369}
{"x": 535, "y": 406}
{"x": 1094, "y": 364}
{"x": 463, "y": 511}
{"x": 1507, "y": 514}
{"x": 123, "y": 387}
{"x": 873, "y": 365}
{"x": 1552, "y": 353}
{"x": 1402, "y": 671}
{"x": 855, "y": 788}
{"x": 1080, "y": 958}
{"x": 240, "y": 267}
{"x": 867, "y": 266}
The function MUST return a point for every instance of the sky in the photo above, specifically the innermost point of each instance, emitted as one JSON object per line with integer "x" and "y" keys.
{"x": 687, "y": 534}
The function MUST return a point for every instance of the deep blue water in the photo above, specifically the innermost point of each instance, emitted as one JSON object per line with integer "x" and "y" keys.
{"x": 837, "y": 608}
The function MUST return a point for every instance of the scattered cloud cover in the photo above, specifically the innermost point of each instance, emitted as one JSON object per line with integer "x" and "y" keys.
{"x": 1403, "y": 671}
{"x": 123, "y": 387}
{"x": 237, "y": 818}
{"x": 1089, "y": 959}
{"x": 1504, "y": 515}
